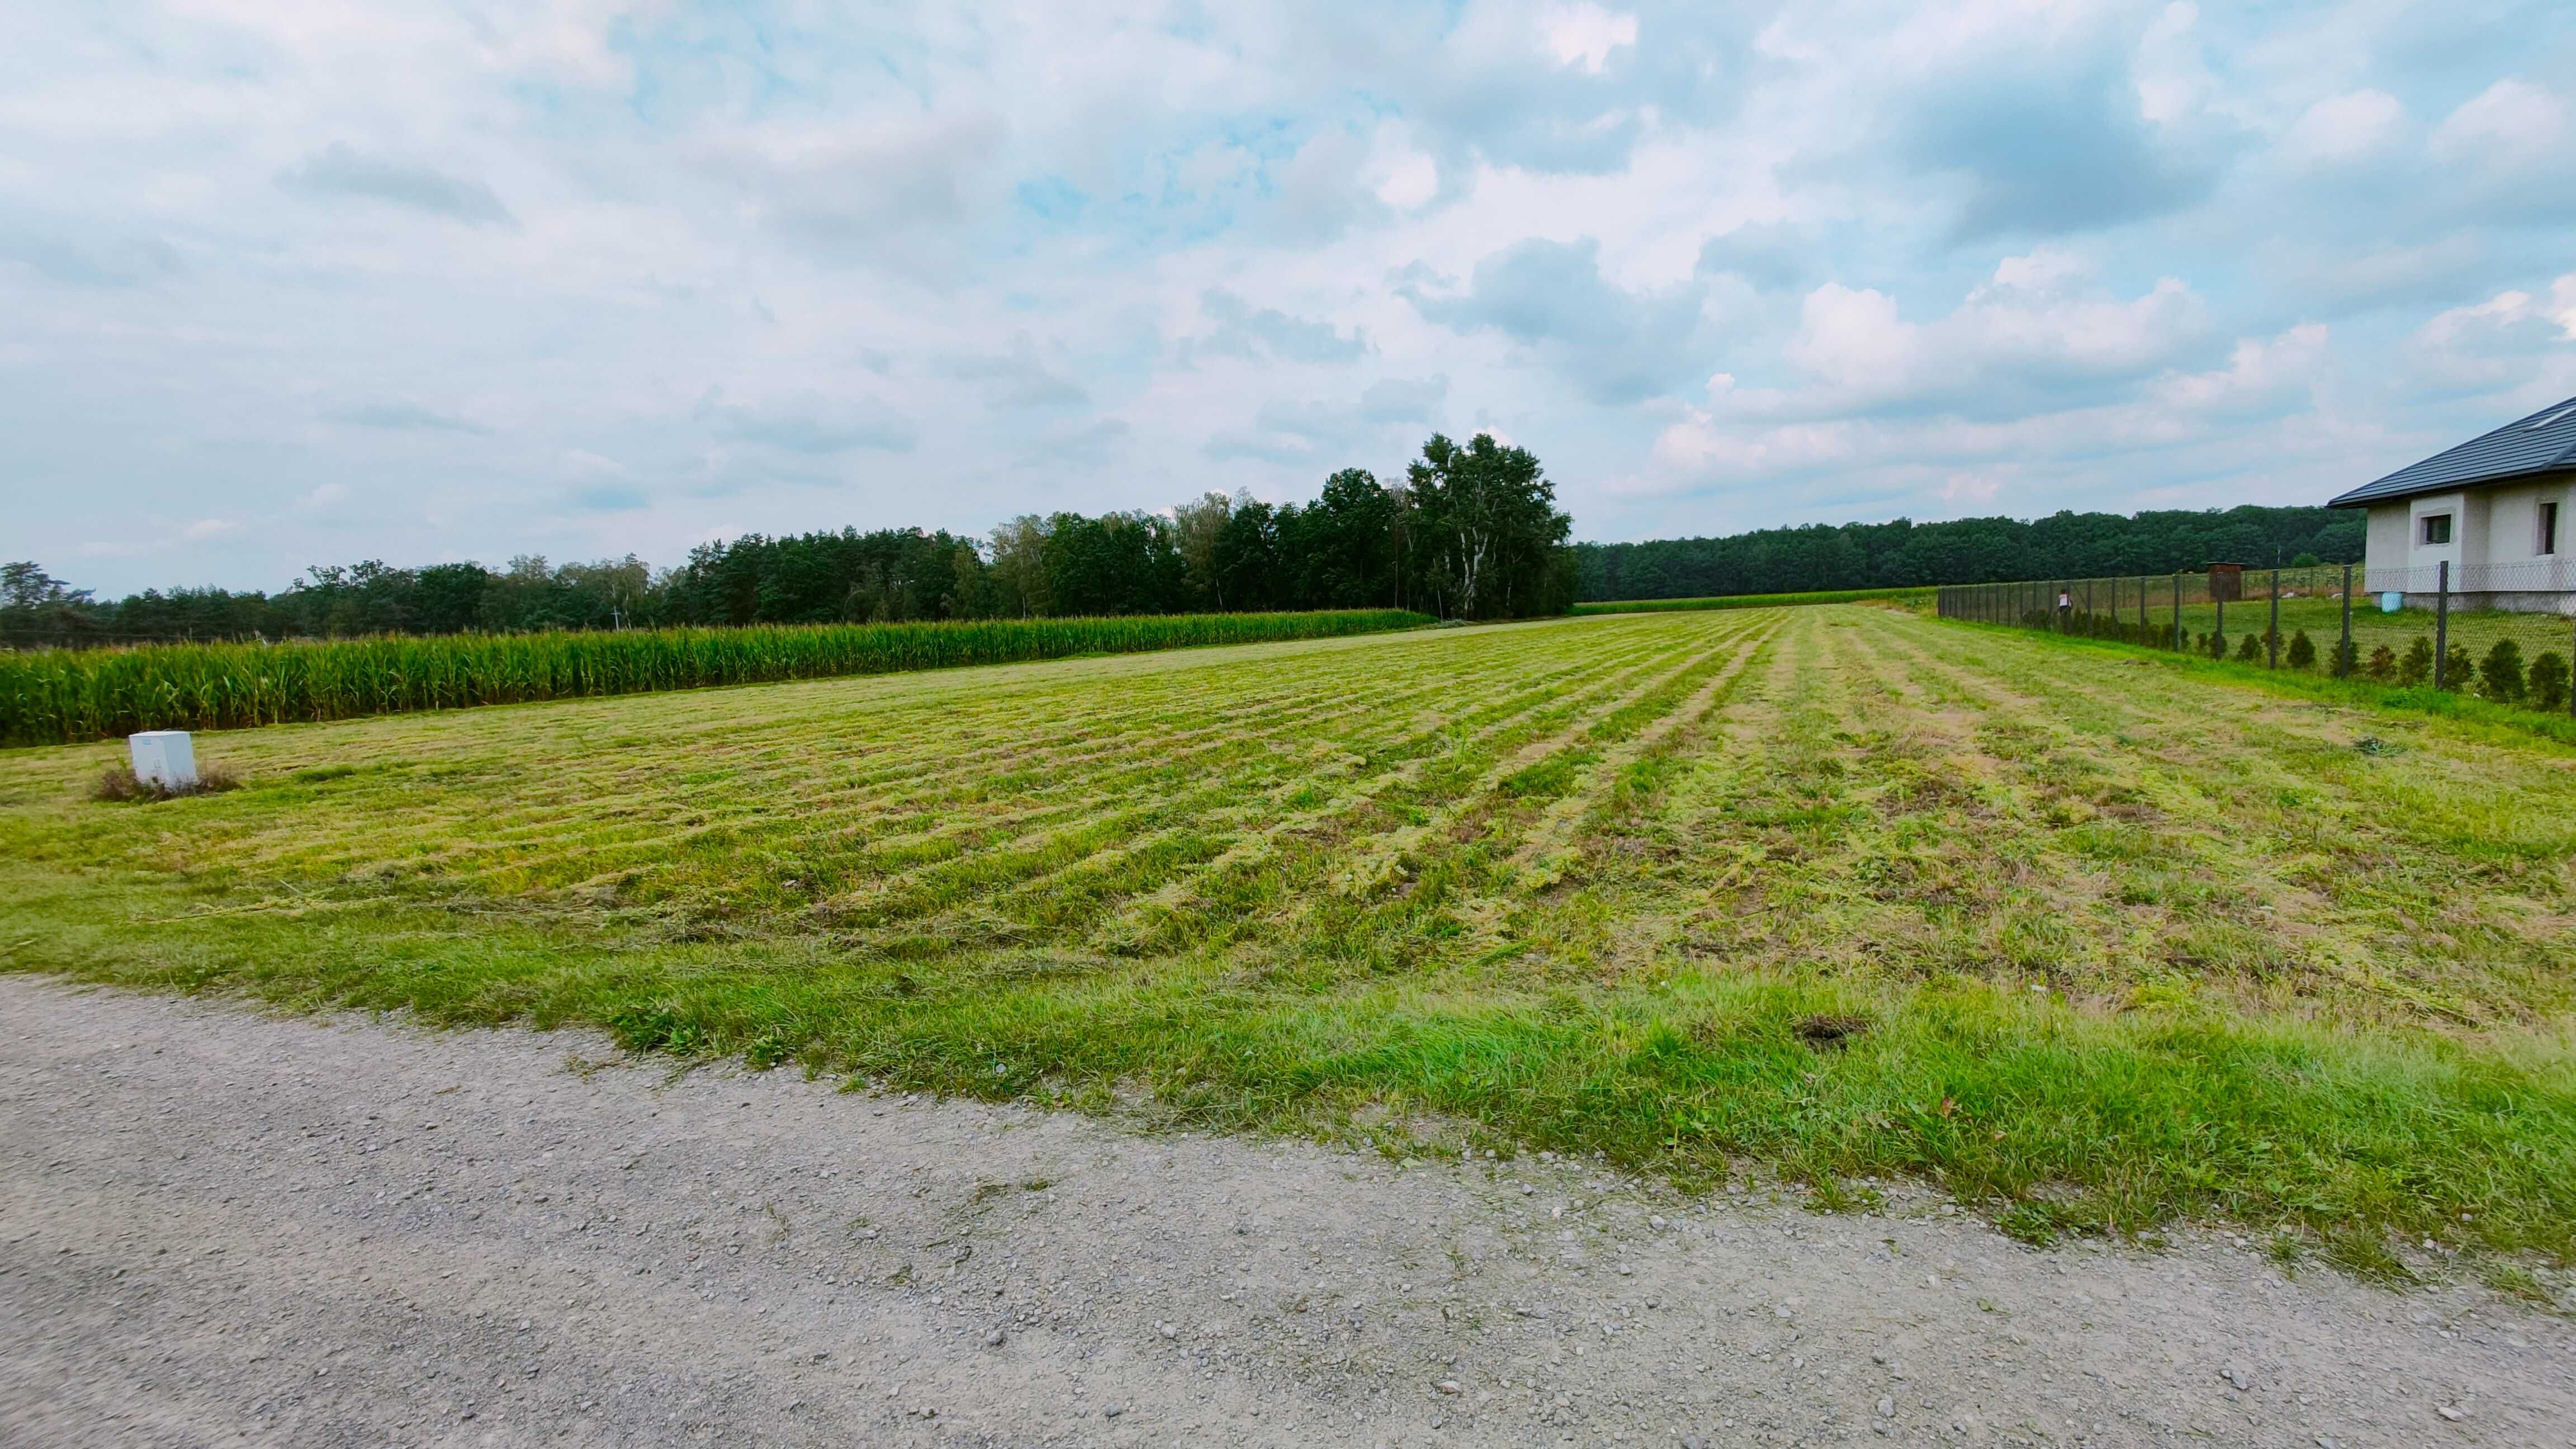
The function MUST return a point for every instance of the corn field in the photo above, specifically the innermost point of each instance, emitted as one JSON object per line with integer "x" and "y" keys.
{"x": 62, "y": 697}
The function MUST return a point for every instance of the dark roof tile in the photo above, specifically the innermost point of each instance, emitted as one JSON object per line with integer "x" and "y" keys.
{"x": 2544, "y": 441}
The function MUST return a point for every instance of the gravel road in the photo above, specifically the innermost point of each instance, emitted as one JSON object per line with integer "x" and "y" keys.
{"x": 219, "y": 1227}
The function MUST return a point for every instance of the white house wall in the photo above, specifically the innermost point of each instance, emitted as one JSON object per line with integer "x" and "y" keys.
{"x": 2513, "y": 519}
{"x": 2423, "y": 558}
{"x": 2494, "y": 552}
{"x": 2385, "y": 546}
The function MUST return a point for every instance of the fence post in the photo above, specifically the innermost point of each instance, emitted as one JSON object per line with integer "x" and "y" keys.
{"x": 2343, "y": 652}
{"x": 2275, "y": 640}
{"x": 2441, "y": 624}
{"x": 2218, "y": 631}
{"x": 2177, "y": 586}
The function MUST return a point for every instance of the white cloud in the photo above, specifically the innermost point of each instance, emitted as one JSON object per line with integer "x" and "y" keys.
{"x": 948, "y": 265}
{"x": 338, "y": 170}
{"x": 1585, "y": 35}
{"x": 1401, "y": 177}
{"x": 1971, "y": 487}
{"x": 2506, "y": 311}
{"x": 2260, "y": 373}
{"x": 2510, "y": 121}
{"x": 2350, "y": 127}
{"x": 2515, "y": 345}
{"x": 2031, "y": 323}
{"x": 808, "y": 421}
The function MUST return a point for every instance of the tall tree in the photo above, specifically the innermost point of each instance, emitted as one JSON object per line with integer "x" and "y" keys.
{"x": 1339, "y": 551}
{"x": 1196, "y": 525}
{"x": 1489, "y": 542}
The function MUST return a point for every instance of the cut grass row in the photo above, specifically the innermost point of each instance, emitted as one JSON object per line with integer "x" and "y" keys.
{"x": 2126, "y": 944}
{"x": 60, "y": 696}
{"x": 1911, "y": 598}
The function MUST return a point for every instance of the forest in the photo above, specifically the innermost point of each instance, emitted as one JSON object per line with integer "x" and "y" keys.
{"x": 1904, "y": 554}
{"x": 1471, "y": 531}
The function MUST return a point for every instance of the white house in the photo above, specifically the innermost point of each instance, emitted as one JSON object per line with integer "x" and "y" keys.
{"x": 2498, "y": 509}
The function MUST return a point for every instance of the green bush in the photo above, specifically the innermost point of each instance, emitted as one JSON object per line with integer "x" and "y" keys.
{"x": 2500, "y": 673}
{"x": 2347, "y": 660}
{"x": 2548, "y": 680}
{"x": 2458, "y": 669}
{"x": 2303, "y": 651}
{"x": 2383, "y": 663}
{"x": 2417, "y": 666}
{"x": 2251, "y": 651}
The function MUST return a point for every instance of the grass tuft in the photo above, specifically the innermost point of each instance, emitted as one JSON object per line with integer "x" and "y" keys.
{"x": 119, "y": 784}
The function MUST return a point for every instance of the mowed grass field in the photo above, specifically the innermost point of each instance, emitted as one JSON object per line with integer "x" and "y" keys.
{"x": 1821, "y": 894}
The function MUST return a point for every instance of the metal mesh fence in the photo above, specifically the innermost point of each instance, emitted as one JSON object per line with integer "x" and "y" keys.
{"x": 2502, "y": 631}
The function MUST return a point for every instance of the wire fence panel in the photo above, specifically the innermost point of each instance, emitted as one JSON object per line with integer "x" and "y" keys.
{"x": 2502, "y": 631}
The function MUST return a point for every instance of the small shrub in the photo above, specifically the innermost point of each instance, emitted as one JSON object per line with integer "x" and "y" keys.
{"x": 2457, "y": 669}
{"x": 2417, "y": 666}
{"x": 2347, "y": 660}
{"x": 2303, "y": 651}
{"x": 2214, "y": 645}
{"x": 2250, "y": 651}
{"x": 2383, "y": 663}
{"x": 2500, "y": 673}
{"x": 120, "y": 783}
{"x": 2548, "y": 680}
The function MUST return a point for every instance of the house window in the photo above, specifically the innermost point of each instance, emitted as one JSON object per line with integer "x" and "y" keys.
{"x": 2437, "y": 528}
{"x": 2549, "y": 527}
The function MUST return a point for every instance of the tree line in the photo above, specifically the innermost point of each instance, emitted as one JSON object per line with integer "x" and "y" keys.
{"x": 1470, "y": 531}
{"x": 1963, "y": 551}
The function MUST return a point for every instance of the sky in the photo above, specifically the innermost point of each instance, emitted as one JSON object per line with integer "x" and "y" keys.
{"x": 286, "y": 282}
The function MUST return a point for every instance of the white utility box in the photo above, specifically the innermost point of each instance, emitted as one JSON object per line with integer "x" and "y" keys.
{"x": 166, "y": 758}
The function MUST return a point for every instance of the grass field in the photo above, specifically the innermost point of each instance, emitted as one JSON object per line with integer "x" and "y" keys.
{"x": 2095, "y": 939}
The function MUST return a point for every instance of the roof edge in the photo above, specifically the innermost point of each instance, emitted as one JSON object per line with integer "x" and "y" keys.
{"x": 2353, "y": 500}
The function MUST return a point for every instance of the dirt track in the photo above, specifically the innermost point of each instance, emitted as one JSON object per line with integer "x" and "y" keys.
{"x": 220, "y": 1228}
